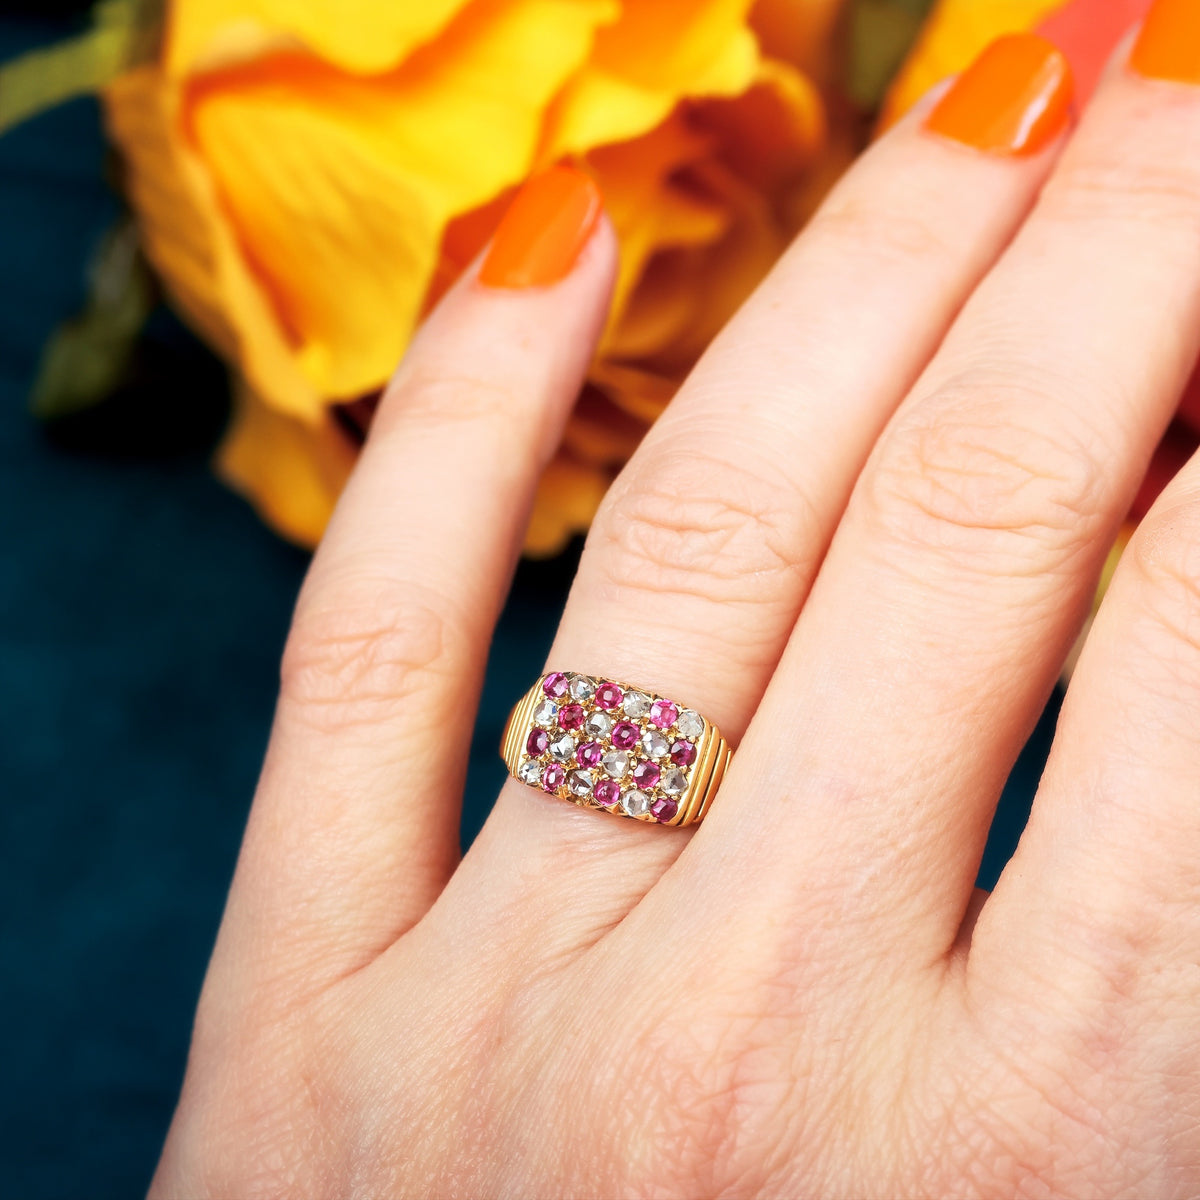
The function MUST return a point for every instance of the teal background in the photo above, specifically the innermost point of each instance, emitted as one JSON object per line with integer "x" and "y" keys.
{"x": 142, "y": 611}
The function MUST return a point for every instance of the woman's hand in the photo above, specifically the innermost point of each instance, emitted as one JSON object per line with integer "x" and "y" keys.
{"x": 861, "y": 539}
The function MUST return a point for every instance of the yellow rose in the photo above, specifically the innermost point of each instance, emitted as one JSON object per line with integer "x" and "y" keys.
{"x": 309, "y": 176}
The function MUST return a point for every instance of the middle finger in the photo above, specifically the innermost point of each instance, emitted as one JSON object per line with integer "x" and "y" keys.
{"x": 970, "y": 552}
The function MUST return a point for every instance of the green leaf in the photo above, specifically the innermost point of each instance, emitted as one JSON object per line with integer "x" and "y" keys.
{"x": 87, "y": 357}
{"x": 881, "y": 34}
{"x": 123, "y": 33}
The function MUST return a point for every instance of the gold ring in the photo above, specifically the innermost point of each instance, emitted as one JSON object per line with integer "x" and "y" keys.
{"x": 615, "y": 748}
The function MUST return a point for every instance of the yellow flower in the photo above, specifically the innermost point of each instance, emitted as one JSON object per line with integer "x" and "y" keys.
{"x": 309, "y": 175}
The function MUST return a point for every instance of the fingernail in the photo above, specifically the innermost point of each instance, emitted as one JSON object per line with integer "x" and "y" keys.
{"x": 1015, "y": 98}
{"x": 1168, "y": 46}
{"x": 546, "y": 226}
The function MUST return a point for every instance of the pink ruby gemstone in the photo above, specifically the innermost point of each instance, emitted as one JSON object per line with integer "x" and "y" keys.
{"x": 663, "y": 713}
{"x": 553, "y": 777}
{"x": 606, "y": 793}
{"x": 683, "y": 754}
{"x": 589, "y": 754}
{"x": 536, "y": 742}
{"x": 570, "y": 716}
{"x": 555, "y": 685}
{"x": 625, "y": 735}
{"x": 645, "y": 775}
{"x": 664, "y": 808}
{"x": 608, "y": 695}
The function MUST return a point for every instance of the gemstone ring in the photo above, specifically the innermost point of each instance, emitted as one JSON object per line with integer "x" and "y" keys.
{"x": 616, "y": 748}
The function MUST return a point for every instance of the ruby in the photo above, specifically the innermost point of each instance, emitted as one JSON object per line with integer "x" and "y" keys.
{"x": 664, "y": 808}
{"x": 570, "y": 716}
{"x": 606, "y": 793}
{"x": 645, "y": 774}
{"x": 553, "y": 777}
{"x": 625, "y": 735}
{"x": 608, "y": 695}
{"x": 683, "y": 754}
{"x": 663, "y": 713}
{"x": 589, "y": 754}
{"x": 555, "y": 685}
{"x": 536, "y": 742}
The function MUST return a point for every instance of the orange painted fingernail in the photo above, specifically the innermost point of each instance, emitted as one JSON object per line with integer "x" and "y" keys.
{"x": 1015, "y": 98}
{"x": 545, "y": 228}
{"x": 1169, "y": 45}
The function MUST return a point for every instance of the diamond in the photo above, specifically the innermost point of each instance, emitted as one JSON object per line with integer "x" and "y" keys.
{"x": 655, "y": 744}
{"x": 570, "y": 716}
{"x": 589, "y": 754}
{"x": 664, "y": 808}
{"x": 598, "y": 725}
{"x": 663, "y": 713}
{"x": 564, "y": 749}
{"x": 616, "y": 763}
{"x": 536, "y": 742}
{"x": 545, "y": 713}
{"x": 606, "y": 793}
{"x": 646, "y": 774}
{"x": 635, "y": 802}
{"x": 608, "y": 695}
{"x": 636, "y": 704}
{"x": 625, "y": 735}
{"x": 579, "y": 783}
{"x": 530, "y": 772}
{"x": 690, "y": 723}
{"x": 674, "y": 781}
{"x": 683, "y": 754}
{"x": 555, "y": 685}
{"x": 582, "y": 688}
{"x": 552, "y": 778}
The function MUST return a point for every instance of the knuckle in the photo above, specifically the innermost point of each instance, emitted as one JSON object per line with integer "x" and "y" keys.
{"x": 422, "y": 396}
{"x": 349, "y": 665}
{"x": 962, "y": 472}
{"x": 901, "y": 234}
{"x": 1164, "y": 194}
{"x": 687, "y": 523}
{"x": 708, "y": 1084}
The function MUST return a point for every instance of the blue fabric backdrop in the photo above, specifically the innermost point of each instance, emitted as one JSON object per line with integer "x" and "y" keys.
{"x": 142, "y": 610}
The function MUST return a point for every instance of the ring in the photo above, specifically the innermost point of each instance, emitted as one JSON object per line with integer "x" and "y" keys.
{"x": 616, "y": 748}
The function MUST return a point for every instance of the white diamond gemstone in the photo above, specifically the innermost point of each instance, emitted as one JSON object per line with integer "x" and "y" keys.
{"x": 655, "y": 744}
{"x": 673, "y": 781}
{"x": 636, "y": 704}
{"x": 582, "y": 688}
{"x": 690, "y": 723}
{"x": 545, "y": 714}
{"x": 579, "y": 783}
{"x": 599, "y": 725}
{"x": 530, "y": 772}
{"x": 635, "y": 802}
{"x": 616, "y": 763}
{"x": 564, "y": 749}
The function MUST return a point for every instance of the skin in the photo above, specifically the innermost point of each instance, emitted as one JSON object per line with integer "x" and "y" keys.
{"x": 861, "y": 539}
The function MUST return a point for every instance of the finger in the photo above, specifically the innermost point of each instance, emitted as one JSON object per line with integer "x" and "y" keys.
{"x": 971, "y": 549}
{"x": 1104, "y": 886}
{"x": 355, "y": 826}
{"x": 704, "y": 550}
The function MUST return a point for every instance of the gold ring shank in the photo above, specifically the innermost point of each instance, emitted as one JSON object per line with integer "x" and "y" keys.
{"x": 615, "y": 748}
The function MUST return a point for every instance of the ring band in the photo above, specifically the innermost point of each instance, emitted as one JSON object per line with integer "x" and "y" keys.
{"x": 615, "y": 748}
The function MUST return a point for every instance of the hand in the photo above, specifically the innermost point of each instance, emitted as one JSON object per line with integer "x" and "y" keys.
{"x": 861, "y": 539}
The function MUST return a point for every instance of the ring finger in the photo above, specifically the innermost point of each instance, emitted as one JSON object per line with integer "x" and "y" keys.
{"x": 705, "y": 548}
